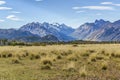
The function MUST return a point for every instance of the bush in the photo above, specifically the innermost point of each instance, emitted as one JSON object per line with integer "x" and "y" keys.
{"x": 103, "y": 51}
{"x": 37, "y": 56}
{"x": 66, "y": 53}
{"x": 75, "y": 45}
{"x": 93, "y": 60}
{"x": 104, "y": 66}
{"x": 85, "y": 54}
{"x": 47, "y": 62}
{"x": 99, "y": 57}
{"x": 93, "y": 57}
{"x": 10, "y": 55}
{"x": 116, "y": 55}
{"x": 70, "y": 67}
{"x": 72, "y": 58}
{"x": 0, "y": 55}
{"x": 83, "y": 72}
{"x": 27, "y": 54}
{"x": 6, "y": 55}
{"x": 59, "y": 57}
{"x": 43, "y": 54}
{"x": 19, "y": 57}
{"x": 91, "y": 51}
{"x": 15, "y": 61}
{"x": 46, "y": 67}
{"x": 33, "y": 56}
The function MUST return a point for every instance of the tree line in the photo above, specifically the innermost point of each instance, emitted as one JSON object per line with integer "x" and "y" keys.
{"x": 5, "y": 42}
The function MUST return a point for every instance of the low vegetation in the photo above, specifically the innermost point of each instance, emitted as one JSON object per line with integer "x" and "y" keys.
{"x": 60, "y": 62}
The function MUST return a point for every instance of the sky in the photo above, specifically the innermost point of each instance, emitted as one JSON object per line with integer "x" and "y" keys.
{"x": 15, "y": 13}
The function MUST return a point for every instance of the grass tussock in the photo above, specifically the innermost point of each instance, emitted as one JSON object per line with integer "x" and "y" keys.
{"x": 83, "y": 71}
{"x": 104, "y": 65}
{"x": 34, "y": 56}
{"x": 70, "y": 67}
{"x": 64, "y": 62}
{"x": 15, "y": 61}
{"x": 47, "y": 61}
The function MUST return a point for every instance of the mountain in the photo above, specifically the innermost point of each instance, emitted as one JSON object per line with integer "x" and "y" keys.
{"x": 61, "y": 31}
{"x": 13, "y": 34}
{"x": 100, "y": 30}
{"x": 49, "y": 38}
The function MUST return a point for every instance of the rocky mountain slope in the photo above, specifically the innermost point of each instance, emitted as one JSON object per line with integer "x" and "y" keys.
{"x": 100, "y": 30}
{"x": 61, "y": 31}
{"x": 12, "y": 34}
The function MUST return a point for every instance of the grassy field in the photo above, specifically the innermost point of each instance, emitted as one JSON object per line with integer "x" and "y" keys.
{"x": 60, "y": 62}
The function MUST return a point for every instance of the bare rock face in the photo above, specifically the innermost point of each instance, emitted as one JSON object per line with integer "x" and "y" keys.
{"x": 100, "y": 30}
{"x": 61, "y": 31}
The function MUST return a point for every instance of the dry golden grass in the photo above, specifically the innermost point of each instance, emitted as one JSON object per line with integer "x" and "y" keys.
{"x": 60, "y": 62}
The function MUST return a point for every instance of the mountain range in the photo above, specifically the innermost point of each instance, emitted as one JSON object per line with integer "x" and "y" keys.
{"x": 100, "y": 30}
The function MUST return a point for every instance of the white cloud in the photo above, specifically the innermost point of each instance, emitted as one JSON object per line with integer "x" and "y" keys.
{"x": 80, "y": 11}
{"x": 38, "y": 0}
{"x": 110, "y": 3}
{"x": 13, "y": 17}
{"x": 106, "y": 3}
{"x": 2, "y": 2}
{"x": 98, "y": 7}
{"x": 94, "y": 8}
{"x": 15, "y": 12}
{"x": 75, "y": 8}
{"x": 2, "y": 20}
{"x": 5, "y": 8}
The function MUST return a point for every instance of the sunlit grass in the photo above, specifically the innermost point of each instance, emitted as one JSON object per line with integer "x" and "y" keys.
{"x": 65, "y": 62}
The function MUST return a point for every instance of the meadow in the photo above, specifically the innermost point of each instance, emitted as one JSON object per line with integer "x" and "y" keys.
{"x": 60, "y": 62}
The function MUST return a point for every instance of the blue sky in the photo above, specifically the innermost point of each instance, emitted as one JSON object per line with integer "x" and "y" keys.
{"x": 15, "y": 13}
